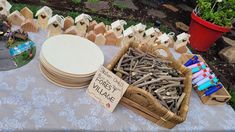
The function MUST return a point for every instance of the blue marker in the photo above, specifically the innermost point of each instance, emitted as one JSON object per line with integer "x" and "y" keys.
{"x": 212, "y": 90}
{"x": 191, "y": 61}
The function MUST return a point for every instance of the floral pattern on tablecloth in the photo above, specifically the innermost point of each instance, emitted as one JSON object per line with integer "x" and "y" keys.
{"x": 28, "y": 101}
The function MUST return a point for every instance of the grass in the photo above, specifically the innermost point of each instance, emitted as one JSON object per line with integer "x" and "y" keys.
{"x": 232, "y": 101}
{"x": 76, "y": 1}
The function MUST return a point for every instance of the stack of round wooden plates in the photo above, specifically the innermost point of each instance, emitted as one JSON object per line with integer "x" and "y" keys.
{"x": 70, "y": 61}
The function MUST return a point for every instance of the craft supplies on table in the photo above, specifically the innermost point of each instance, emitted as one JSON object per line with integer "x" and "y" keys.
{"x": 207, "y": 85}
{"x": 143, "y": 102}
{"x": 70, "y": 61}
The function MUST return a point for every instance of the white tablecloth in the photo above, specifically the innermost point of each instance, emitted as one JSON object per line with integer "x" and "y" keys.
{"x": 28, "y": 101}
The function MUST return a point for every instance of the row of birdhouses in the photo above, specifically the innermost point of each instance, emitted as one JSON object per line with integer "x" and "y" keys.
{"x": 99, "y": 33}
{"x": 24, "y": 18}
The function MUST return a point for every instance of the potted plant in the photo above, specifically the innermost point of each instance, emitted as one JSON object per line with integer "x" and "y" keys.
{"x": 210, "y": 19}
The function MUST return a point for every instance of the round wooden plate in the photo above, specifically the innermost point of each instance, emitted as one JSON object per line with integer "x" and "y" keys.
{"x": 60, "y": 82}
{"x": 72, "y": 54}
{"x": 53, "y": 69}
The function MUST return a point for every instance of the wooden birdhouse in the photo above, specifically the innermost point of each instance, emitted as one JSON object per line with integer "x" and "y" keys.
{"x": 181, "y": 43}
{"x": 139, "y": 32}
{"x": 108, "y": 27}
{"x": 100, "y": 28}
{"x": 55, "y": 25}
{"x": 163, "y": 39}
{"x": 128, "y": 35}
{"x": 27, "y": 13}
{"x": 72, "y": 30}
{"x": 112, "y": 38}
{"x": 30, "y": 26}
{"x": 118, "y": 27}
{"x": 82, "y": 22}
{"x": 91, "y": 36}
{"x": 44, "y": 14}
{"x": 16, "y": 18}
{"x": 92, "y": 26}
{"x": 171, "y": 40}
{"x": 68, "y": 22}
{"x": 151, "y": 35}
{"x": 100, "y": 39}
{"x": 5, "y": 7}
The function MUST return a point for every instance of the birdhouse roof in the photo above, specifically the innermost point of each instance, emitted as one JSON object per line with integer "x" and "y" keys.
{"x": 118, "y": 23}
{"x": 140, "y": 26}
{"x": 164, "y": 37}
{"x": 183, "y": 36}
{"x": 56, "y": 19}
{"x": 16, "y": 12}
{"x": 149, "y": 31}
{"x": 6, "y": 4}
{"x": 46, "y": 10}
{"x": 83, "y": 16}
{"x": 128, "y": 31}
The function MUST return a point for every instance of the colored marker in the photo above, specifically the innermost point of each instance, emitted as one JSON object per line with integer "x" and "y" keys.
{"x": 196, "y": 65}
{"x": 198, "y": 68}
{"x": 206, "y": 79}
{"x": 212, "y": 90}
{"x": 191, "y": 61}
{"x": 207, "y": 84}
{"x": 199, "y": 78}
{"x": 195, "y": 75}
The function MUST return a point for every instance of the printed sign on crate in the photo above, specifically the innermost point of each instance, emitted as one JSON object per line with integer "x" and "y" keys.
{"x": 107, "y": 88}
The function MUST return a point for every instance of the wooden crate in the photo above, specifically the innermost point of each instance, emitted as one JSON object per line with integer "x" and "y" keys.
{"x": 143, "y": 103}
{"x": 220, "y": 97}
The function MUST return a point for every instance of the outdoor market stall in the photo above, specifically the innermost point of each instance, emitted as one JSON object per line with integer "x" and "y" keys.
{"x": 150, "y": 72}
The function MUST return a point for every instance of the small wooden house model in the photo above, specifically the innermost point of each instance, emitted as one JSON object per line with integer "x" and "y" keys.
{"x": 72, "y": 30}
{"x": 139, "y": 32}
{"x": 118, "y": 27}
{"x": 44, "y": 14}
{"x": 30, "y": 26}
{"x": 181, "y": 43}
{"x": 16, "y": 18}
{"x": 5, "y": 7}
{"x": 163, "y": 39}
{"x": 128, "y": 35}
{"x": 55, "y": 25}
{"x": 112, "y": 38}
{"x": 27, "y": 13}
{"x": 82, "y": 22}
{"x": 151, "y": 35}
{"x": 92, "y": 26}
{"x": 68, "y": 22}
{"x": 100, "y": 39}
{"x": 100, "y": 28}
{"x": 91, "y": 36}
